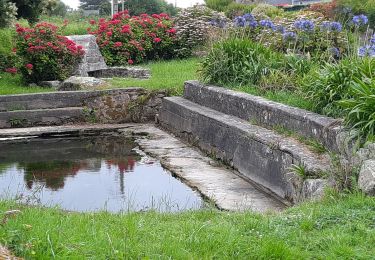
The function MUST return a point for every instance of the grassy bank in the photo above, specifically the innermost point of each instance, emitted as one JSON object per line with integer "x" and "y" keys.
{"x": 169, "y": 75}
{"x": 339, "y": 227}
{"x": 10, "y": 84}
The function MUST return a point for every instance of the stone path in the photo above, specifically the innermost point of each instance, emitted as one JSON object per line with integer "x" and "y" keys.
{"x": 214, "y": 181}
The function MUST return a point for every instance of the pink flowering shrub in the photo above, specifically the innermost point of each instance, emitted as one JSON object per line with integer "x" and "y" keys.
{"x": 126, "y": 39}
{"x": 44, "y": 54}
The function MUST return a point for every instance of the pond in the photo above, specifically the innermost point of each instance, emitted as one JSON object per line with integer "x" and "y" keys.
{"x": 90, "y": 174}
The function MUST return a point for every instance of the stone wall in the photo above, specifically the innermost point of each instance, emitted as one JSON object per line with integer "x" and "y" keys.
{"x": 57, "y": 108}
{"x": 266, "y": 113}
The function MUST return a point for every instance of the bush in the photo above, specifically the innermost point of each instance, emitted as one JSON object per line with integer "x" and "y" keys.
{"x": 322, "y": 40}
{"x": 333, "y": 83}
{"x": 193, "y": 26}
{"x": 238, "y": 62}
{"x": 126, "y": 40}
{"x": 235, "y": 9}
{"x": 360, "y": 108}
{"x": 8, "y": 12}
{"x": 328, "y": 10}
{"x": 45, "y": 54}
{"x": 218, "y": 5}
{"x": 270, "y": 11}
{"x": 348, "y": 8}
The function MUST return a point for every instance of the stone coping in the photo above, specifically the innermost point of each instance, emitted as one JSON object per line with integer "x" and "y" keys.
{"x": 266, "y": 113}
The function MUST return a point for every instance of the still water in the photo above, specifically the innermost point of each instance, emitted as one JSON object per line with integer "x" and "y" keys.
{"x": 90, "y": 174}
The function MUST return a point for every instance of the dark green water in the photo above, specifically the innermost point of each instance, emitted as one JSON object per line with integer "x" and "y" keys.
{"x": 90, "y": 174}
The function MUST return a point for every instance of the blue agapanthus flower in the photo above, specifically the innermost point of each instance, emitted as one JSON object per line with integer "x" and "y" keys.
{"x": 239, "y": 21}
{"x": 304, "y": 25}
{"x": 325, "y": 26}
{"x": 367, "y": 50}
{"x": 267, "y": 24}
{"x": 249, "y": 17}
{"x": 252, "y": 24}
{"x": 359, "y": 20}
{"x": 328, "y": 26}
{"x": 372, "y": 40}
{"x": 335, "y": 52}
{"x": 289, "y": 36}
{"x": 279, "y": 28}
{"x": 335, "y": 27}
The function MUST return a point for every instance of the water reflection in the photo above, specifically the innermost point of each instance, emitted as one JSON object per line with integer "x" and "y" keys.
{"x": 90, "y": 174}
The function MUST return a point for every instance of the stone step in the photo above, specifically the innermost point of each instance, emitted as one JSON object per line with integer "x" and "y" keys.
{"x": 258, "y": 154}
{"x": 41, "y": 117}
{"x": 60, "y": 99}
{"x": 266, "y": 113}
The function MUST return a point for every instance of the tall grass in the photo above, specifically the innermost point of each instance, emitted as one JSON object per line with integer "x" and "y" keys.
{"x": 340, "y": 227}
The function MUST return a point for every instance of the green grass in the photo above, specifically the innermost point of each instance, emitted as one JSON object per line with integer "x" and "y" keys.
{"x": 340, "y": 227}
{"x": 10, "y": 84}
{"x": 286, "y": 97}
{"x": 169, "y": 75}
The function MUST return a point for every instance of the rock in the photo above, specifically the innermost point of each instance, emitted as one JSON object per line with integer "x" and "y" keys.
{"x": 313, "y": 188}
{"x": 32, "y": 85}
{"x": 366, "y": 181}
{"x": 122, "y": 72}
{"x": 81, "y": 83}
{"x": 50, "y": 84}
{"x": 93, "y": 59}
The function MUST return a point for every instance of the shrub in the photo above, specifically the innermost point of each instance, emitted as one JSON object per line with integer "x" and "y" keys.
{"x": 192, "y": 26}
{"x": 329, "y": 10}
{"x": 308, "y": 37}
{"x": 238, "y": 62}
{"x": 348, "y": 8}
{"x": 127, "y": 40}
{"x": 270, "y": 11}
{"x": 360, "y": 108}
{"x": 8, "y": 12}
{"x": 326, "y": 87}
{"x": 236, "y": 9}
{"x": 45, "y": 54}
{"x": 218, "y": 5}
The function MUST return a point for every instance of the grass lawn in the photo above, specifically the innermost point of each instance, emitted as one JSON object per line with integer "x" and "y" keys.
{"x": 169, "y": 75}
{"x": 10, "y": 84}
{"x": 340, "y": 227}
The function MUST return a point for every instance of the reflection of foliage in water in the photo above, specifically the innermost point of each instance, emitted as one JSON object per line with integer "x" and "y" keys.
{"x": 52, "y": 173}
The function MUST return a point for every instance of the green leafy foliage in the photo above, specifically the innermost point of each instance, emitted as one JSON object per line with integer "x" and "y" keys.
{"x": 218, "y": 5}
{"x": 360, "y": 108}
{"x": 333, "y": 83}
{"x": 8, "y": 13}
{"x": 235, "y": 9}
{"x": 238, "y": 61}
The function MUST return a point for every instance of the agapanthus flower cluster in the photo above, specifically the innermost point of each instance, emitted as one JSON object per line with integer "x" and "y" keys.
{"x": 360, "y": 20}
{"x": 267, "y": 24}
{"x": 47, "y": 55}
{"x": 368, "y": 50}
{"x": 126, "y": 39}
{"x": 247, "y": 20}
{"x": 304, "y": 25}
{"x": 328, "y": 26}
{"x": 289, "y": 36}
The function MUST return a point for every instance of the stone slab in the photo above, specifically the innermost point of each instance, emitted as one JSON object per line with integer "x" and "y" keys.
{"x": 122, "y": 72}
{"x": 257, "y": 153}
{"x": 57, "y": 116}
{"x": 265, "y": 112}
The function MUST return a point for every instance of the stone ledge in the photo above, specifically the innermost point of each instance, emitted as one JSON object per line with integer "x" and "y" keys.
{"x": 258, "y": 154}
{"x": 122, "y": 72}
{"x": 266, "y": 113}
